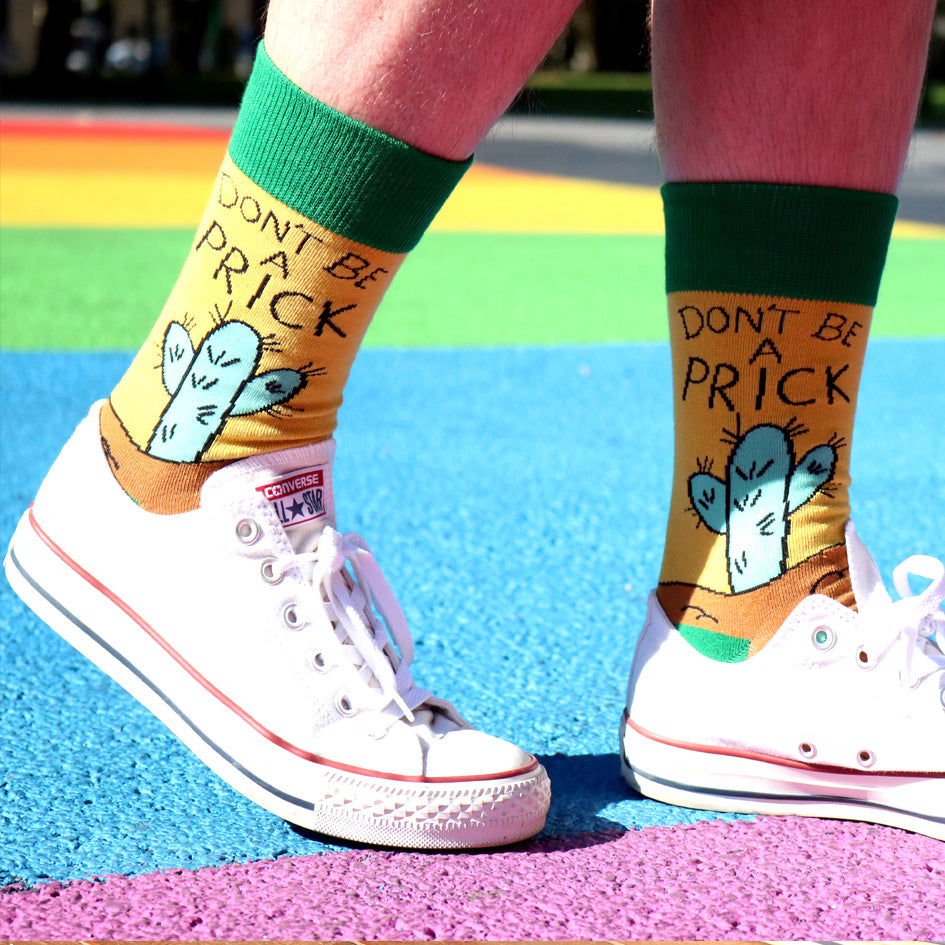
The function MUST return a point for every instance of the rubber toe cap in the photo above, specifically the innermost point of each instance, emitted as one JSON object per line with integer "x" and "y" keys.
{"x": 429, "y": 747}
{"x": 466, "y": 753}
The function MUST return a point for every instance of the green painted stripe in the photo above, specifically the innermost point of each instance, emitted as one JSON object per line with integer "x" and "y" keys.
{"x": 103, "y": 289}
{"x": 777, "y": 239}
{"x": 349, "y": 178}
{"x": 717, "y": 646}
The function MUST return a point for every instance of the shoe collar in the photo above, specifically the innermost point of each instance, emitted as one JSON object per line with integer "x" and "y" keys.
{"x": 296, "y": 483}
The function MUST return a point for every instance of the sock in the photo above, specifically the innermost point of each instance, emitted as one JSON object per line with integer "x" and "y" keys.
{"x": 771, "y": 289}
{"x": 310, "y": 217}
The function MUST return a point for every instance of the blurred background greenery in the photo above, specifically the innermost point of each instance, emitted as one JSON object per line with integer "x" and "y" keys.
{"x": 199, "y": 52}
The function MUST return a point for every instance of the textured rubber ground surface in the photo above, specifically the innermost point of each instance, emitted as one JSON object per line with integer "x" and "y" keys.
{"x": 516, "y": 497}
{"x": 715, "y": 881}
{"x": 525, "y": 582}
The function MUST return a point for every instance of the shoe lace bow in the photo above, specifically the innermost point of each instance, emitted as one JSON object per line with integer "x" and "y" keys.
{"x": 381, "y": 652}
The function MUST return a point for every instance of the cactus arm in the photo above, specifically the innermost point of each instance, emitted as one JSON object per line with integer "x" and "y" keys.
{"x": 177, "y": 353}
{"x": 222, "y": 366}
{"x": 267, "y": 390}
{"x": 810, "y": 474}
{"x": 707, "y": 495}
{"x": 757, "y": 475}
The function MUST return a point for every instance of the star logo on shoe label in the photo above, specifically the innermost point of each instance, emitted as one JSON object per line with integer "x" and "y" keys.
{"x": 297, "y": 498}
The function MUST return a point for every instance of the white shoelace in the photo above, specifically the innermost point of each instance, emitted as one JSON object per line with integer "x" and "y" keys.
{"x": 919, "y": 619}
{"x": 350, "y": 601}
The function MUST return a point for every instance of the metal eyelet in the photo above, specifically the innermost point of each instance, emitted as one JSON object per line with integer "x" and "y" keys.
{"x": 906, "y": 684}
{"x": 248, "y": 531}
{"x": 290, "y": 616}
{"x": 866, "y": 758}
{"x": 268, "y": 571}
{"x": 823, "y": 637}
{"x": 807, "y": 750}
{"x": 344, "y": 705}
{"x": 863, "y": 658}
{"x": 318, "y": 662}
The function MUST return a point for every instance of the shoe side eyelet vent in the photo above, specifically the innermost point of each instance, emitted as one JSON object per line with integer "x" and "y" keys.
{"x": 863, "y": 658}
{"x": 865, "y": 758}
{"x": 318, "y": 662}
{"x": 823, "y": 637}
{"x": 807, "y": 750}
{"x": 248, "y": 531}
{"x": 290, "y": 616}
{"x": 269, "y": 572}
{"x": 344, "y": 705}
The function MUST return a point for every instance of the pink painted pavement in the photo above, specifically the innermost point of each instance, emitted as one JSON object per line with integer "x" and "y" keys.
{"x": 789, "y": 878}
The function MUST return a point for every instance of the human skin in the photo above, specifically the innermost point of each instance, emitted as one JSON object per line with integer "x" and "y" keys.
{"x": 800, "y": 93}
{"x": 808, "y": 93}
{"x": 433, "y": 73}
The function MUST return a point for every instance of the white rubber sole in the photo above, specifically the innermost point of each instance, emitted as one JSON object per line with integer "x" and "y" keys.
{"x": 707, "y": 780}
{"x": 353, "y": 806}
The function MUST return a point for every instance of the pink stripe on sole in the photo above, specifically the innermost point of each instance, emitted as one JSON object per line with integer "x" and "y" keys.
{"x": 783, "y": 878}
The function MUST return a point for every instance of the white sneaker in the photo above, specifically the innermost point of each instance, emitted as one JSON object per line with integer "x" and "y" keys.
{"x": 241, "y": 627}
{"x": 841, "y": 715}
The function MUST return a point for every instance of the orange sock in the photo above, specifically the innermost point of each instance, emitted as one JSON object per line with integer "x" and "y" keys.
{"x": 771, "y": 289}
{"x": 310, "y": 217}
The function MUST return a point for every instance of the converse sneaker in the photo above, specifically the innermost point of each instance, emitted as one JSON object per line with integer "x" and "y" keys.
{"x": 272, "y": 646}
{"x": 841, "y": 715}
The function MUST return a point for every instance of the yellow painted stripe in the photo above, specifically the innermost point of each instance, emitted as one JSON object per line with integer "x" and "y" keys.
{"x": 489, "y": 200}
{"x": 485, "y": 201}
{"x": 912, "y": 229}
{"x": 102, "y": 198}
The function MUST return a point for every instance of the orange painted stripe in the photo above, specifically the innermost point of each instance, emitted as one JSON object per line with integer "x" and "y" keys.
{"x": 114, "y": 153}
{"x": 266, "y": 733}
{"x": 78, "y": 128}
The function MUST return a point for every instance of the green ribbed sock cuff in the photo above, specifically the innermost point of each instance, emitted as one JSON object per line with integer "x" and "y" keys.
{"x": 351, "y": 179}
{"x": 801, "y": 242}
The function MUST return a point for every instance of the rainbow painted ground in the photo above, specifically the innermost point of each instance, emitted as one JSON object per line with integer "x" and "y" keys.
{"x": 508, "y": 456}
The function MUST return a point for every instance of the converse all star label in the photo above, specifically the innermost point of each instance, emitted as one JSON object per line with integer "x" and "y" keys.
{"x": 299, "y": 498}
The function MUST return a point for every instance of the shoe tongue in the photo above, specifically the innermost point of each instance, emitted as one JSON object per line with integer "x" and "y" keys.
{"x": 865, "y": 577}
{"x": 296, "y": 483}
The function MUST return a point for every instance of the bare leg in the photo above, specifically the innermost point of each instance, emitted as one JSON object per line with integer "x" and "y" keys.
{"x": 433, "y": 73}
{"x": 808, "y": 93}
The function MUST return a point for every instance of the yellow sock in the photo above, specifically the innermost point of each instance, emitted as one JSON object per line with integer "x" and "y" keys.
{"x": 311, "y": 215}
{"x": 771, "y": 289}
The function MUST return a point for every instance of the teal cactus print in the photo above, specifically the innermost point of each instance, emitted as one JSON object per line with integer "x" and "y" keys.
{"x": 208, "y": 385}
{"x": 752, "y": 507}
